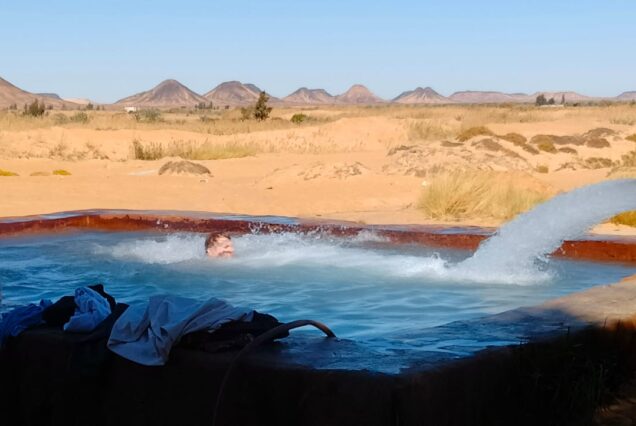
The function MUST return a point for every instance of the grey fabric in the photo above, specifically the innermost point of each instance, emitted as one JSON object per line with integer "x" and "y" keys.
{"x": 146, "y": 333}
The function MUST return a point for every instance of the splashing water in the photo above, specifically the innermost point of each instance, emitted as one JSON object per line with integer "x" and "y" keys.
{"x": 525, "y": 241}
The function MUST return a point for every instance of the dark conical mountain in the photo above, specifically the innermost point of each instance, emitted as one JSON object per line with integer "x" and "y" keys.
{"x": 421, "y": 96}
{"x": 168, "y": 93}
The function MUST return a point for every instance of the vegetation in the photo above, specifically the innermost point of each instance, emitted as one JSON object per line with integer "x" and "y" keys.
{"x": 40, "y": 174}
{"x": 631, "y": 137}
{"x": 193, "y": 151}
{"x": 7, "y": 173}
{"x": 476, "y": 194}
{"x": 298, "y": 118}
{"x": 148, "y": 116}
{"x": 261, "y": 110}
{"x": 35, "y": 109}
{"x": 61, "y": 172}
{"x": 626, "y": 218}
{"x": 427, "y": 130}
{"x": 473, "y": 132}
{"x": 547, "y": 147}
{"x": 79, "y": 117}
{"x": 542, "y": 168}
{"x": 515, "y": 138}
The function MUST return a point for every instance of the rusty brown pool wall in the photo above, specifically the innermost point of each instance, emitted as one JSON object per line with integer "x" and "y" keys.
{"x": 622, "y": 249}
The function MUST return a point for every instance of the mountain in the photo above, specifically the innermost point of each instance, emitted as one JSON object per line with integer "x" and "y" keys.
{"x": 305, "y": 96}
{"x": 421, "y": 96}
{"x": 487, "y": 97}
{"x": 235, "y": 93}
{"x": 168, "y": 93}
{"x": 50, "y": 95}
{"x": 627, "y": 96}
{"x": 569, "y": 96}
{"x": 10, "y": 95}
{"x": 358, "y": 94}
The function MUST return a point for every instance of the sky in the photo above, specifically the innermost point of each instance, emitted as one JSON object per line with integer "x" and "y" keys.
{"x": 107, "y": 50}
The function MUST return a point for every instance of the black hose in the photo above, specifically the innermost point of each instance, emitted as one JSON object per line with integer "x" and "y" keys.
{"x": 268, "y": 335}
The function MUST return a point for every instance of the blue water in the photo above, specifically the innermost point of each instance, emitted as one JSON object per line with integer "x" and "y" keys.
{"x": 363, "y": 288}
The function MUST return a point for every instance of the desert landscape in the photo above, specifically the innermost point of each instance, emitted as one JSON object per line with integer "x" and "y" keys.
{"x": 421, "y": 158}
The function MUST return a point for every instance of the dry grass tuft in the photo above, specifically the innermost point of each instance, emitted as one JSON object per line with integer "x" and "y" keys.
{"x": 7, "y": 173}
{"x": 427, "y": 130}
{"x": 40, "y": 174}
{"x": 477, "y": 194}
{"x": 625, "y": 218}
{"x": 193, "y": 151}
{"x": 547, "y": 147}
{"x": 474, "y": 132}
{"x": 61, "y": 172}
{"x": 631, "y": 137}
{"x": 515, "y": 138}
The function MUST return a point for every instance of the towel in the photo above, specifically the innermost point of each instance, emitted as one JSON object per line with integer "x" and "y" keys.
{"x": 145, "y": 333}
{"x": 91, "y": 309}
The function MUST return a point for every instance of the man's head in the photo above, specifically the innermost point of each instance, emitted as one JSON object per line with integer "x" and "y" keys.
{"x": 219, "y": 245}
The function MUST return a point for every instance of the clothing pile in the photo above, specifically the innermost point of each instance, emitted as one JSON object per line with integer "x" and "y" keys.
{"x": 145, "y": 332}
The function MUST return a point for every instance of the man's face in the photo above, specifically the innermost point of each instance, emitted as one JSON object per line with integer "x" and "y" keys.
{"x": 222, "y": 247}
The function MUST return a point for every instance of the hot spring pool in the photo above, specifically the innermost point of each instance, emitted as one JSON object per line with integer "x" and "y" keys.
{"x": 364, "y": 288}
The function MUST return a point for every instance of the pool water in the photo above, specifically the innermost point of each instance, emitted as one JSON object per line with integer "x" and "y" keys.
{"x": 362, "y": 287}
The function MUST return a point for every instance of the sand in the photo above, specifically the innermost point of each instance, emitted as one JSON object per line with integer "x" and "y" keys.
{"x": 335, "y": 170}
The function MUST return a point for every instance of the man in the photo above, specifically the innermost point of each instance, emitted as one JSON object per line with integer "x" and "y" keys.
{"x": 219, "y": 245}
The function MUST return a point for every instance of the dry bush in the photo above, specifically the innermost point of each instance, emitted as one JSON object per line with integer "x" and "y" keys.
{"x": 61, "y": 172}
{"x": 427, "y": 130}
{"x": 473, "y": 132}
{"x": 598, "y": 163}
{"x": 7, "y": 173}
{"x": 193, "y": 151}
{"x": 568, "y": 150}
{"x": 477, "y": 194}
{"x": 597, "y": 143}
{"x": 625, "y": 218}
{"x": 547, "y": 147}
{"x": 631, "y": 137}
{"x": 542, "y": 168}
{"x": 515, "y": 138}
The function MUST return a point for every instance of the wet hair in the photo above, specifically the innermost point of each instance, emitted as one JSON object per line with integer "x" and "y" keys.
{"x": 214, "y": 237}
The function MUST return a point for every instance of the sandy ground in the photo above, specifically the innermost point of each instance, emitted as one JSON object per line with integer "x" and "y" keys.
{"x": 339, "y": 170}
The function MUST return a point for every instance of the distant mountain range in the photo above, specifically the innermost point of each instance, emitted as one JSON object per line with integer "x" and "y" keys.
{"x": 171, "y": 93}
{"x": 11, "y": 95}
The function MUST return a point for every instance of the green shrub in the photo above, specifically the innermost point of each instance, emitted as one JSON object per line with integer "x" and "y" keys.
{"x": 261, "y": 110}
{"x": 298, "y": 118}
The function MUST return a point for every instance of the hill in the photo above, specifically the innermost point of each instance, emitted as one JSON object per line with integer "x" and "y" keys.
{"x": 168, "y": 93}
{"x": 421, "y": 96}
{"x": 10, "y": 95}
{"x": 305, "y": 96}
{"x": 359, "y": 94}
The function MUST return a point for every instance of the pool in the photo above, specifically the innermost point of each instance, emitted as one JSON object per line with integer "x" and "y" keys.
{"x": 364, "y": 287}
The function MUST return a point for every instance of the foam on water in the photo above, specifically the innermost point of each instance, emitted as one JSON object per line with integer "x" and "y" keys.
{"x": 523, "y": 244}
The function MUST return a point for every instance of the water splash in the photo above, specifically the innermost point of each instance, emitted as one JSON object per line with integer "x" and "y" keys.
{"x": 525, "y": 242}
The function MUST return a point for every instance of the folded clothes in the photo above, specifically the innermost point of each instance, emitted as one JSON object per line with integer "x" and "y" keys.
{"x": 145, "y": 333}
{"x": 91, "y": 308}
{"x": 19, "y": 319}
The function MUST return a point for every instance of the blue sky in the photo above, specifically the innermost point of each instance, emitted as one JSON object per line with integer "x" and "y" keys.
{"x": 110, "y": 49}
